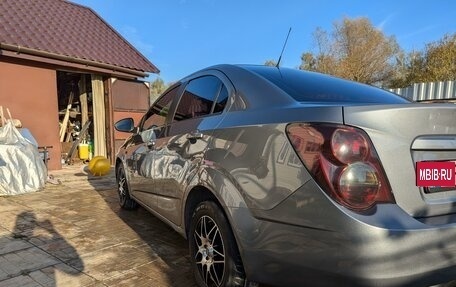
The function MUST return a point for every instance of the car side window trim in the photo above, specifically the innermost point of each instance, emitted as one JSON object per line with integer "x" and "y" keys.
{"x": 231, "y": 90}
{"x": 216, "y": 99}
{"x": 222, "y": 88}
{"x": 176, "y": 89}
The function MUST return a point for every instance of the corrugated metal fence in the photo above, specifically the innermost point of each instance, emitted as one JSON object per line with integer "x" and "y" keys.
{"x": 429, "y": 91}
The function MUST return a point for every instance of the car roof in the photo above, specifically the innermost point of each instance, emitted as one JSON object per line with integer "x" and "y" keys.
{"x": 266, "y": 86}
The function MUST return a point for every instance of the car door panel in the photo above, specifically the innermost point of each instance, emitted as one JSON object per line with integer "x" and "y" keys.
{"x": 179, "y": 153}
{"x": 175, "y": 159}
{"x": 140, "y": 155}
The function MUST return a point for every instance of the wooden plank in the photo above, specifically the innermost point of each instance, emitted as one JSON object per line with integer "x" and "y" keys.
{"x": 66, "y": 118}
{"x": 2, "y": 116}
{"x": 83, "y": 100}
{"x": 68, "y": 135}
{"x": 99, "y": 116}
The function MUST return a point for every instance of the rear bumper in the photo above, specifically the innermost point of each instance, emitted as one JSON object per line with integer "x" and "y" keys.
{"x": 322, "y": 244}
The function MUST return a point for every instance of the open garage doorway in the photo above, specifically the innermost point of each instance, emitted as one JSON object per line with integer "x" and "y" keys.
{"x": 82, "y": 116}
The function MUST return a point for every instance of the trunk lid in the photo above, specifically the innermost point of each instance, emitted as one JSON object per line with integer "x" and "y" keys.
{"x": 403, "y": 135}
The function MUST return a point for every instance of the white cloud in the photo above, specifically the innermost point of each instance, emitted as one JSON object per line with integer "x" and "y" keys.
{"x": 384, "y": 22}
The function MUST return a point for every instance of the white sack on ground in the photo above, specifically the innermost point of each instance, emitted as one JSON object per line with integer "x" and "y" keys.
{"x": 21, "y": 166}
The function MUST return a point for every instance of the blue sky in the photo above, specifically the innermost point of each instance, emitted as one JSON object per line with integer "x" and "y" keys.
{"x": 183, "y": 36}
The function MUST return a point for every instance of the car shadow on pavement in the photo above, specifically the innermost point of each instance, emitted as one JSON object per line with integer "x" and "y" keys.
{"x": 167, "y": 262}
{"x": 170, "y": 265}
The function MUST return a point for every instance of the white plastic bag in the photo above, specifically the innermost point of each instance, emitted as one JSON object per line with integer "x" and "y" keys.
{"x": 21, "y": 167}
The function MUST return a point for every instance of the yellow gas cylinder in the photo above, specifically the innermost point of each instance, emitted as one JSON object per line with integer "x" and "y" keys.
{"x": 83, "y": 151}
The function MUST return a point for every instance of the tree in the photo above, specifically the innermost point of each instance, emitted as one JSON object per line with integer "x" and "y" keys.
{"x": 437, "y": 62}
{"x": 308, "y": 62}
{"x": 270, "y": 63}
{"x": 354, "y": 50}
{"x": 157, "y": 87}
{"x": 440, "y": 58}
{"x": 409, "y": 69}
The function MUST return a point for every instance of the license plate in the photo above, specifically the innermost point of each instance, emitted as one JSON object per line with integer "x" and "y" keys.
{"x": 436, "y": 174}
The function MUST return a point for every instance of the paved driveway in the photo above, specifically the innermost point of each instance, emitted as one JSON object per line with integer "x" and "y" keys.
{"x": 75, "y": 234}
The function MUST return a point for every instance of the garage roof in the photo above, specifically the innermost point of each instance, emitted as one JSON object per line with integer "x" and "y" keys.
{"x": 66, "y": 31}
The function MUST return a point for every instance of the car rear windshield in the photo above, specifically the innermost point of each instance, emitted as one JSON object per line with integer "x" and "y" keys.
{"x": 306, "y": 86}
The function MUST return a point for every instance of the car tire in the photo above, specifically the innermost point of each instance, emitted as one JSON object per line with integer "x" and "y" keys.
{"x": 213, "y": 251}
{"x": 125, "y": 201}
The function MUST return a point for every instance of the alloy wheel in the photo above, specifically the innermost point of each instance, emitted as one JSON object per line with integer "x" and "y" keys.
{"x": 122, "y": 186}
{"x": 210, "y": 251}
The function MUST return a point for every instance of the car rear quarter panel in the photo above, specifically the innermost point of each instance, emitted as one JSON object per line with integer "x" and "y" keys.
{"x": 251, "y": 150}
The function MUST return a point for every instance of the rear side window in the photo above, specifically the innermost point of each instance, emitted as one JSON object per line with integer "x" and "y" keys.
{"x": 156, "y": 116}
{"x": 199, "y": 97}
{"x": 315, "y": 87}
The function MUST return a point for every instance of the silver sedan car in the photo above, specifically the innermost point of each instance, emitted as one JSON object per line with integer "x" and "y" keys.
{"x": 289, "y": 178}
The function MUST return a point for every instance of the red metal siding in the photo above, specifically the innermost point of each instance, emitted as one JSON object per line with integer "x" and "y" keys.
{"x": 31, "y": 95}
{"x": 130, "y": 96}
{"x": 129, "y": 99}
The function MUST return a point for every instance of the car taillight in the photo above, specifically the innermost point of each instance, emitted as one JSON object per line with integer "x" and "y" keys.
{"x": 343, "y": 162}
